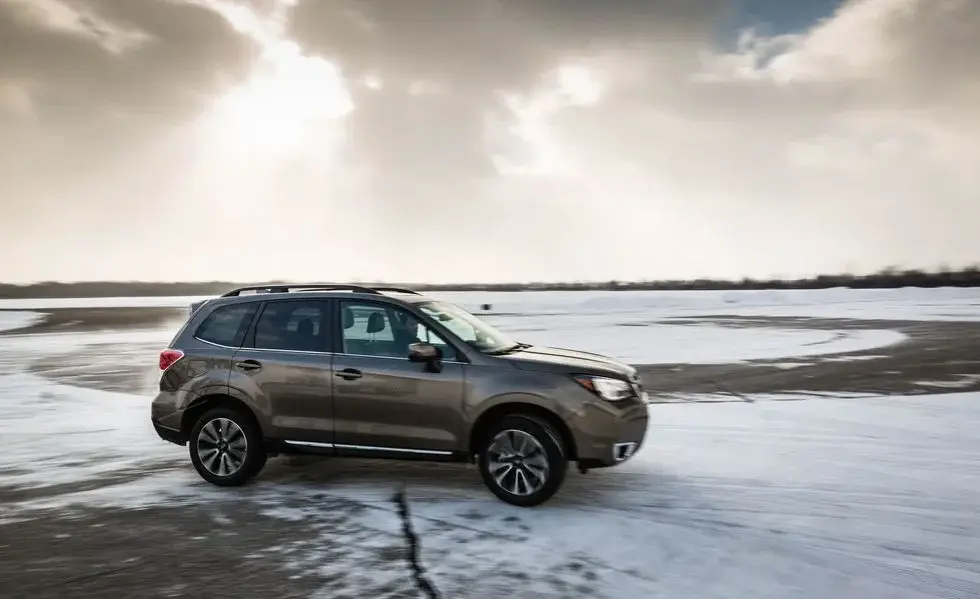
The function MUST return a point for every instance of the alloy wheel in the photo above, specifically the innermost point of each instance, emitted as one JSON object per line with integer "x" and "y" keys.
{"x": 518, "y": 462}
{"x": 222, "y": 447}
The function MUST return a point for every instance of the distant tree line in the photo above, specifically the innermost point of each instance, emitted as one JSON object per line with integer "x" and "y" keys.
{"x": 887, "y": 279}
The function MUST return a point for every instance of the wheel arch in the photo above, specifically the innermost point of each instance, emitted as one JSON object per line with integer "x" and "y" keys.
{"x": 209, "y": 402}
{"x": 484, "y": 422}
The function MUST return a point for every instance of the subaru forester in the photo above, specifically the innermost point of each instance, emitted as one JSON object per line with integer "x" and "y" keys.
{"x": 381, "y": 372}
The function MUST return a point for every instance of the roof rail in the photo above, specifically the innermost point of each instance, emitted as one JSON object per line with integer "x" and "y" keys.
{"x": 288, "y": 287}
{"x": 396, "y": 290}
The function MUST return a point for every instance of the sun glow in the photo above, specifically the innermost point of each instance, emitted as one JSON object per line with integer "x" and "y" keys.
{"x": 578, "y": 85}
{"x": 285, "y": 101}
{"x": 535, "y": 147}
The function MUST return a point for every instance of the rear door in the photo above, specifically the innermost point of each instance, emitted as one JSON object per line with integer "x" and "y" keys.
{"x": 284, "y": 365}
{"x": 383, "y": 403}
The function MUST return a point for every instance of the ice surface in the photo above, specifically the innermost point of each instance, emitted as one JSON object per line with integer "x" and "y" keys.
{"x": 630, "y": 326}
{"x": 945, "y": 304}
{"x": 57, "y": 434}
{"x": 638, "y": 340}
{"x": 863, "y": 498}
{"x": 965, "y": 380}
{"x": 18, "y": 320}
{"x": 106, "y": 432}
{"x": 949, "y": 304}
{"x": 99, "y": 302}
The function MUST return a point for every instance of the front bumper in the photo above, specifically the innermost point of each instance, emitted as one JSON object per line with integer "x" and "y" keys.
{"x": 609, "y": 434}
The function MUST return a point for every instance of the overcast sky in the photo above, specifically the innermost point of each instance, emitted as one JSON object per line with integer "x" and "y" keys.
{"x": 486, "y": 140}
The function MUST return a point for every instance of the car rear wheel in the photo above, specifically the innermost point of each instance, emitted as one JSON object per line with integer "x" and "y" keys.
{"x": 226, "y": 447}
{"x": 523, "y": 461}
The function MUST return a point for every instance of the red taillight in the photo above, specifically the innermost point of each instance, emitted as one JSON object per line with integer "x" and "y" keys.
{"x": 168, "y": 357}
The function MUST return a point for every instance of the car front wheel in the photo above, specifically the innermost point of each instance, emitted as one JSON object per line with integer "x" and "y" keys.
{"x": 226, "y": 447}
{"x": 523, "y": 461}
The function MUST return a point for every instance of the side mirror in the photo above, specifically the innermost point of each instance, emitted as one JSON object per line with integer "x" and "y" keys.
{"x": 426, "y": 353}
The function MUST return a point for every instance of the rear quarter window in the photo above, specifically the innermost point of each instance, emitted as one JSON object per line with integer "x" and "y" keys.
{"x": 226, "y": 325}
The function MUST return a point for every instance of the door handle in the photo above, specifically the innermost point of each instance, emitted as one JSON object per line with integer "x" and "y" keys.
{"x": 248, "y": 365}
{"x": 349, "y": 374}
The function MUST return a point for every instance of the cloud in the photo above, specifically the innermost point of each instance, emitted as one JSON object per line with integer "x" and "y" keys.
{"x": 96, "y": 98}
{"x": 78, "y": 21}
{"x": 159, "y": 59}
{"x": 15, "y": 99}
{"x": 495, "y": 140}
{"x": 871, "y": 121}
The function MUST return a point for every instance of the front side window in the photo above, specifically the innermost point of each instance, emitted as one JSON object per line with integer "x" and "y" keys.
{"x": 291, "y": 325}
{"x": 470, "y": 329}
{"x": 226, "y": 325}
{"x": 384, "y": 331}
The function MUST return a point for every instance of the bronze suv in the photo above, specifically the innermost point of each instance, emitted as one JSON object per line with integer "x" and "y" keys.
{"x": 381, "y": 372}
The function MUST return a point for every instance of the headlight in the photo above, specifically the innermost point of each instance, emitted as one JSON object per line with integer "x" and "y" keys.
{"x": 606, "y": 388}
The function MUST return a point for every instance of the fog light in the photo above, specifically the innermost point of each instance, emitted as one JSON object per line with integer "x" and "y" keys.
{"x": 623, "y": 451}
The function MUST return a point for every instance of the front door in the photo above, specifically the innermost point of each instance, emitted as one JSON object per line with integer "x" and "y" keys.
{"x": 382, "y": 401}
{"x": 284, "y": 366}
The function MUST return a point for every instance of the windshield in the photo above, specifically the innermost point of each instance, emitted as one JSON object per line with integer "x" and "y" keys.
{"x": 478, "y": 334}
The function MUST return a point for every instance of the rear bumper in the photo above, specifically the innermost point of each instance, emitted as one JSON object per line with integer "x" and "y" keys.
{"x": 166, "y": 418}
{"x": 169, "y": 434}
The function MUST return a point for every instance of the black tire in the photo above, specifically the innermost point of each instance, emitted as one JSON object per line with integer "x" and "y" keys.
{"x": 259, "y": 464}
{"x": 548, "y": 444}
{"x": 237, "y": 470}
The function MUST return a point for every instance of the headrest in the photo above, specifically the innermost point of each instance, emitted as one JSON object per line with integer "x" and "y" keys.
{"x": 376, "y": 323}
{"x": 305, "y": 327}
{"x": 348, "y": 317}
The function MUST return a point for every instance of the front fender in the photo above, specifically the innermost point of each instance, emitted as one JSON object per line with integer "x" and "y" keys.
{"x": 539, "y": 401}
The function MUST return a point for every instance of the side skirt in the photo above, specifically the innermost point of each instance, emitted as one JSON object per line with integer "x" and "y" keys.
{"x": 291, "y": 447}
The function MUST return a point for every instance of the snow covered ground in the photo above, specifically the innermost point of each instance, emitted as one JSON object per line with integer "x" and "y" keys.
{"x": 822, "y": 498}
{"x": 889, "y": 304}
{"x": 845, "y": 498}
{"x": 643, "y": 327}
{"x": 637, "y": 339}
{"x": 949, "y": 304}
{"x": 860, "y": 498}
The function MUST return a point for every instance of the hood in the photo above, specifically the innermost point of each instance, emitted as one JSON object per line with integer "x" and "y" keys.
{"x": 551, "y": 359}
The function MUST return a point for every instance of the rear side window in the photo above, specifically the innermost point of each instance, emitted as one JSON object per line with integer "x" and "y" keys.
{"x": 227, "y": 325}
